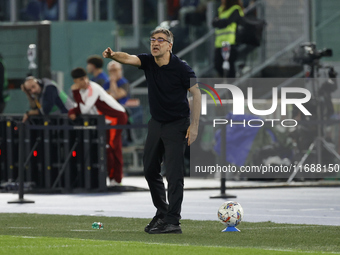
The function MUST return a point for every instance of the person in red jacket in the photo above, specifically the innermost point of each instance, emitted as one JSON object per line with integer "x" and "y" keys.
{"x": 91, "y": 98}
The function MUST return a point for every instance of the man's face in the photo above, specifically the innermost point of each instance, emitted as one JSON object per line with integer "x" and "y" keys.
{"x": 32, "y": 87}
{"x": 90, "y": 68}
{"x": 115, "y": 71}
{"x": 158, "y": 49}
{"x": 82, "y": 82}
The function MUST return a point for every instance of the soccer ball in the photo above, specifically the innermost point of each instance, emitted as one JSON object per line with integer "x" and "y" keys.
{"x": 230, "y": 214}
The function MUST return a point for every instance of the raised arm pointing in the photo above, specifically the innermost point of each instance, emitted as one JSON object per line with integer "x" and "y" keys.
{"x": 122, "y": 57}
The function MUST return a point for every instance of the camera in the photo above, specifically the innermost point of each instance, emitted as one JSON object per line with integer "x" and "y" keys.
{"x": 308, "y": 54}
{"x": 320, "y": 106}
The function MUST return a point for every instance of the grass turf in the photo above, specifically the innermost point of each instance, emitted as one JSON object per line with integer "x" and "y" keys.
{"x": 64, "y": 234}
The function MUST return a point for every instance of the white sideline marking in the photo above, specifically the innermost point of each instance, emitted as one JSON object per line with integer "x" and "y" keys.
{"x": 296, "y": 216}
{"x": 255, "y": 228}
{"x": 280, "y": 210}
{"x": 21, "y": 227}
{"x": 317, "y": 209}
{"x": 83, "y": 230}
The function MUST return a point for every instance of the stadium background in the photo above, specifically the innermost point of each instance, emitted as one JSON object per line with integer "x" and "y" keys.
{"x": 65, "y": 41}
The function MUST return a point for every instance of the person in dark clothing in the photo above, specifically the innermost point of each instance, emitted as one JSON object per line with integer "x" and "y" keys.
{"x": 3, "y": 86}
{"x": 168, "y": 80}
{"x": 229, "y": 14}
{"x": 44, "y": 97}
{"x": 95, "y": 67}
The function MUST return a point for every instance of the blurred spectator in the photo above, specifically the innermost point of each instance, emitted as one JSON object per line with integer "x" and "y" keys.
{"x": 229, "y": 14}
{"x": 193, "y": 16}
{"x": 187, "y": 6}
{"x": 32, "y": 11}
{"x": 77, "y": 10}
{"x": 117, "y": 86}
{"x": 95, "y": 67}
{"x": 44, "y": 97}
{"x": 36, "y": 10}
{"x": 92, "y": 99}
{"x": 4, "y": 10}
{"x": 173, "y": 7}
{"x": 3, "y": 86}
{"x": 50, "y": 9}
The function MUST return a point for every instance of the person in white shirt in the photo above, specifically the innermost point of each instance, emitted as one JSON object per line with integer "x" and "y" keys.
{"x": 91, "y": 98}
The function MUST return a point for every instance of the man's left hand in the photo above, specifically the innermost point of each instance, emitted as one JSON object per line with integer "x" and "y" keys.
{"x": 75, "y": 87}
{"x": 113, "y": 78}
{"x": 192, "y": 134}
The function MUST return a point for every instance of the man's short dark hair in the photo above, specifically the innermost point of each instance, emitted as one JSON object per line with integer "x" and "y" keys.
{"x": 96, "y": 60}
{"x": 78, "y": 73}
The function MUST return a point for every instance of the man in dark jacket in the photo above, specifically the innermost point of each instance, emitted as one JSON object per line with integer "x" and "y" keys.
{"x": 168, "y": 80}
{"x": 44, "y": 97}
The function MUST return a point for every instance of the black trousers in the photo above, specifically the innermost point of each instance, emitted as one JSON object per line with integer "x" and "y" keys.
{"x": 166, "y": 141}
{"x": 218, "y": 62}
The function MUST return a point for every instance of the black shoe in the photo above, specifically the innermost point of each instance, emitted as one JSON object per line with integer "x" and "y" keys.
{"x": 166, "y": 229}
{"x": 153, "y": 223}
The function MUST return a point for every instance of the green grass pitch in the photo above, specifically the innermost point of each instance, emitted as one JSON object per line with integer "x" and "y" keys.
{"x": 63, "y": 234}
